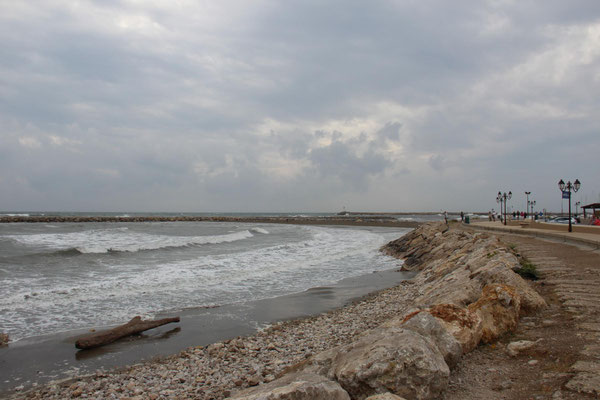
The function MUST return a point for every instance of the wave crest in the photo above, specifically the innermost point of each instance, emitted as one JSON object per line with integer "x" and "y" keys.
{"x": 120, "y": 240}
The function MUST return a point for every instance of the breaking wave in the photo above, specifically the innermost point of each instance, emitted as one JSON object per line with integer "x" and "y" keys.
{"x": 120, "y": 240}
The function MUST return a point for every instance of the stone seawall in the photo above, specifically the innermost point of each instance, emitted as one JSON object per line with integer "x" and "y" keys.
{"x": 467, "y": 293}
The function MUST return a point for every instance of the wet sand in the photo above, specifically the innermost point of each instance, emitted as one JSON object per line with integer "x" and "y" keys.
{"x": 55, "y": 357}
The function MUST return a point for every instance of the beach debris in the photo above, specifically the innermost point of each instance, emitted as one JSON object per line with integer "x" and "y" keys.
{"x": 3, "y": 339}
{"x": 136, "y": 325}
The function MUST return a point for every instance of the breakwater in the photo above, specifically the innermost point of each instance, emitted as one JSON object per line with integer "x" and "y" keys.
{"x": 358, "y": 220}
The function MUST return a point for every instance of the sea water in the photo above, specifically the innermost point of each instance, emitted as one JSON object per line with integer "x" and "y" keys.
{"x": 67, "y": 276}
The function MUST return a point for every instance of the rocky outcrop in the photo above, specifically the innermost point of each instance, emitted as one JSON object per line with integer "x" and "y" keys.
{"x": 3, "y": 339}
{"x": 467, "y": 294}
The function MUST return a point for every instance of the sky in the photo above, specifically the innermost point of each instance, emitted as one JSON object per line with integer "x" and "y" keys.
{"x": 283, "y": 106}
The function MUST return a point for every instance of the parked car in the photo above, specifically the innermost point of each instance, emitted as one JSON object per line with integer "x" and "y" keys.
{"x": 563, "y": 220}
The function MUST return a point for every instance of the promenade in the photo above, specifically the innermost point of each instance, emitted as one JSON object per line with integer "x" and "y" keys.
{"x": 589, "y": 239}
{"x": 564, "y": 362}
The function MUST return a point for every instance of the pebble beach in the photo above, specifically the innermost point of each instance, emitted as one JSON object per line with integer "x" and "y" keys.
{"x": 218, "y": 370}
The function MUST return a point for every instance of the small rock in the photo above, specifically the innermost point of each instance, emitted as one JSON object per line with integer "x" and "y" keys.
{"x": 533, "y": 362}
{"x": 514, "y": 348}
{"x": 3, "y": 339}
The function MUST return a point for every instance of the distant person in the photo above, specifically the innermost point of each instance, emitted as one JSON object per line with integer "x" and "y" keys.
{"x": 490, "y": 216}
{"x": 462, "y": 216}
{"x": 446, "y": 216}
{"x": 514, "y": 215}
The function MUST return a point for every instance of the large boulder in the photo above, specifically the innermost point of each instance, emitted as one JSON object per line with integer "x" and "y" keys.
{"x": 427, "y": 325}
{"x": 466, "y": 326}
{"x": 393, "y": 360}
{"x": 498, "y": 307}
{"x": 296, "y": 386}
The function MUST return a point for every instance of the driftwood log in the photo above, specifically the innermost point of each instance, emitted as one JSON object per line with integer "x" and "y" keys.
{"x": 136, "y": 325}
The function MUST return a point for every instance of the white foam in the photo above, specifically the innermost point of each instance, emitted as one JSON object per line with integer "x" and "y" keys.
{"x": 120, "y": 239}
{"x": 113, "y": 293}
{"x": 259, "y": 230}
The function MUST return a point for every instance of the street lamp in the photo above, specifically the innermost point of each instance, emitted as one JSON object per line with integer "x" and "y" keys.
{"x": 502, "y": 198}
{"x": 527, "y": 194}
{"x": 569, "y": 188}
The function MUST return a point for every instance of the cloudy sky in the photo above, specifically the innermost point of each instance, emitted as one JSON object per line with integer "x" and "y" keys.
{"x": 177, "y": 105}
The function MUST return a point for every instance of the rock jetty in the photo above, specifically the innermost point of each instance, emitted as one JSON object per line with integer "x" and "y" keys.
{"x": 360, "y": 220}
{"x": 399, "y": 343}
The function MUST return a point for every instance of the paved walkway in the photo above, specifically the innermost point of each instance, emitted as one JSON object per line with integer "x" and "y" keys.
{"x": 573, "y": 275}
{"x": 589, "y": 239}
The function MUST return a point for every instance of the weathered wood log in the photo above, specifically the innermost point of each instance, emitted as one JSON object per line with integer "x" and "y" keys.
{"x": 136, "y": 325}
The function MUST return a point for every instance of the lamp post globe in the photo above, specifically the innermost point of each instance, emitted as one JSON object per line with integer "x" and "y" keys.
{"x": 561, "y": 185}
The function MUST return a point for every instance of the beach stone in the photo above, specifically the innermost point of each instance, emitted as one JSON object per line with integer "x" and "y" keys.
{"x": 498, "y": 307}
{"x": 385, "y": 396}
{"x": 297, "y": 386}
{"x": 514, "y": 348}
{"x": 392, "y": 360}
{"x": 3, "y": 339}
{"x": 430, "y": 327}
{"x": 466, "y": 326}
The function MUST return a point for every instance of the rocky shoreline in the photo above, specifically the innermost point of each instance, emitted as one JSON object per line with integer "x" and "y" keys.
{"x": 402, "y": 341}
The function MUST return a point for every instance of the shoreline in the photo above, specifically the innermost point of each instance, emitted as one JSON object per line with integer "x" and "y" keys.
{"x": 224, "y": 368}
{"x": 54, "y": 357}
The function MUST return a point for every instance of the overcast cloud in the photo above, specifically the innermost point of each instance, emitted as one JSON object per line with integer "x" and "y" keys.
{"x": 129, "y": 105}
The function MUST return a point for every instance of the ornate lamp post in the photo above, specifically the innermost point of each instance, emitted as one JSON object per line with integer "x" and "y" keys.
{"x": 527, "y": 194}
{"x": 569, "y": 187}
{"x": 532, "y": 209}
{"x": 502, "y": 198}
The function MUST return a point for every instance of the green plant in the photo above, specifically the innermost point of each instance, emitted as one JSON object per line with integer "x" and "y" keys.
{"x": 527, "y": 270}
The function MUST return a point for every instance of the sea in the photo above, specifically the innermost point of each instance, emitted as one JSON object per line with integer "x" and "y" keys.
{"x": 57, "y": 277}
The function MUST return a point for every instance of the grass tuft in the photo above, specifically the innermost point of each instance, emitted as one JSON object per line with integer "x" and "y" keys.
{"x": 527, "y": 270}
